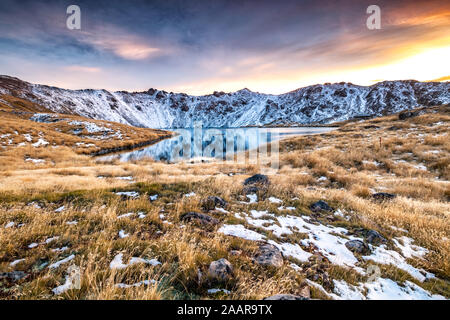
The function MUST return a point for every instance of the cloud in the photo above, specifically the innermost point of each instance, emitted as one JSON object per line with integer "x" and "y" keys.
{"x": 75, "y": 68}
{"x": 122, "y": 44}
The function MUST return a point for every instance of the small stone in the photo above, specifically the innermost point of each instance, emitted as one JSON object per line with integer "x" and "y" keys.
{"x": 269, "y": 255}
{"x": 212, "y": 202}
{"x": 320, "y": 206}
{"x": 383, "y": 196}
{"x": 357, "y": 246}
{"x": 220, "y": 270}
{"x": 285, "y": 297}
{"x": 200, "y": 218}
{"x": 257, "y": 179}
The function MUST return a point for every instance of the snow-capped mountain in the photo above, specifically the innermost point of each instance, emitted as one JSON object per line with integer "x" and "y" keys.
{"x": 160, "y": 109}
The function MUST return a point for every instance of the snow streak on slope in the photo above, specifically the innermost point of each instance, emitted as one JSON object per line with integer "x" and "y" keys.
{"x": 160, "y": 109}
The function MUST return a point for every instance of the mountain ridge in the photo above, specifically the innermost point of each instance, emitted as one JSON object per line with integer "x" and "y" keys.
{"x": 320, "y": 103}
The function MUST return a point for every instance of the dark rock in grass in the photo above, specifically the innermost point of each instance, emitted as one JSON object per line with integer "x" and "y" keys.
{"x": 257, "y": 179}
{"x": 13, "y": 276}
{"x": 250, "y": 190}
{"x": 373, "y": 237}
{"x": 320, "y": 206}
{"x": 199, "y": 218}
{"x": 357, "y": 246}
{"x": 286, "y": 297}
{"x": 220, "y": 270}
{"x": 383, "y": 196}
{"x": 269, "y": 255}
{"x": 407, "y": 114}
{"x": 212, "y": 202}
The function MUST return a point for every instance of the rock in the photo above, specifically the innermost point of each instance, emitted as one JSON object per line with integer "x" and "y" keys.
{"x": 285, "y": 297}
{"x": 357, "y": 246}
{"x": 407, "y": 114}
{"x": 257, "y": 179}
{"x": 220, "y": 270}
{"x": 14, "y": 275}
{"x": 320, "y": 206}
{"x": 250, "y": 190}
{"x": 212, "y": 202}
{"x": 199, "y": 218}
{"x": 373, "y": 237}
{"x": 269, "y": 255}
{"x": 383, "y": 196}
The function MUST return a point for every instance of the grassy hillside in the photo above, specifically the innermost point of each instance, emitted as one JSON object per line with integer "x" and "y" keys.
{"x": 68, "y": 210}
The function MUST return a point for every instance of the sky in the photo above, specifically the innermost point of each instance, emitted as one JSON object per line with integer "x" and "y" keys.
{"x": 198, "y": 47}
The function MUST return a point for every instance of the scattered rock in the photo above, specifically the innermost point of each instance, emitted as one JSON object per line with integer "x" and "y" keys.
{"x": 407, "y": 114}
{"x": 13, "y": 276}
{"x": 200, "y": 218}
{"x": 269, "y": 255}
{"x": 373, "y": 237}
{"x": 212, "y": 202}
{"x": 250, "y": 190}
{"x": 285, "y": 297}
{"x": 383, "y": 196}
{"x": 220, "y": 270}
{"x": 357, "y": 246}
{"x": 257, "y": 179}
{"x": 320, "y": 206}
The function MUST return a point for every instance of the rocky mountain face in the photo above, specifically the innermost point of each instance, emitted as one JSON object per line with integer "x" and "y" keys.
{"x": 160, "y": 109}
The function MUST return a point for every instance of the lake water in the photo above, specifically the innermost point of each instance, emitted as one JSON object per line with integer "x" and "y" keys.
{"x": 209, "y": 143}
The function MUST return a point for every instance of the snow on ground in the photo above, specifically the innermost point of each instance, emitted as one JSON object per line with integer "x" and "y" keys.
{"x": 253, "y": 198}
{"x": 90, "y": 126}
{"x": 275, "y": 200}
{"x": 60, "y": 209}
{"x": 63, "y": 288}
{"x": 330, "y": 241}
{"x": 408, "y": 249}
{"x": 35, "y": 161}
{"x": 60, "y": 262}
{"x": 15, "y": 262}
{"x": 384, "y": 256}
{"x": 382, "y": 289}
{"x": 130, "y": 194}
{"x": 117, "y": 262}
{"x": 40, "y": 142}
{"x": 123, "y": 234}
{"x": 241, "y": 232}
{"x": 135, "y": 285}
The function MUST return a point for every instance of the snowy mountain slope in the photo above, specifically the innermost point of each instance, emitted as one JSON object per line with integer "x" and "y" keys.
{"x": 160, "y": 109}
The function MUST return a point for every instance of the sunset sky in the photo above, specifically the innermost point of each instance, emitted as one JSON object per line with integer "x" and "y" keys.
{"x": 198, "y": 47}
